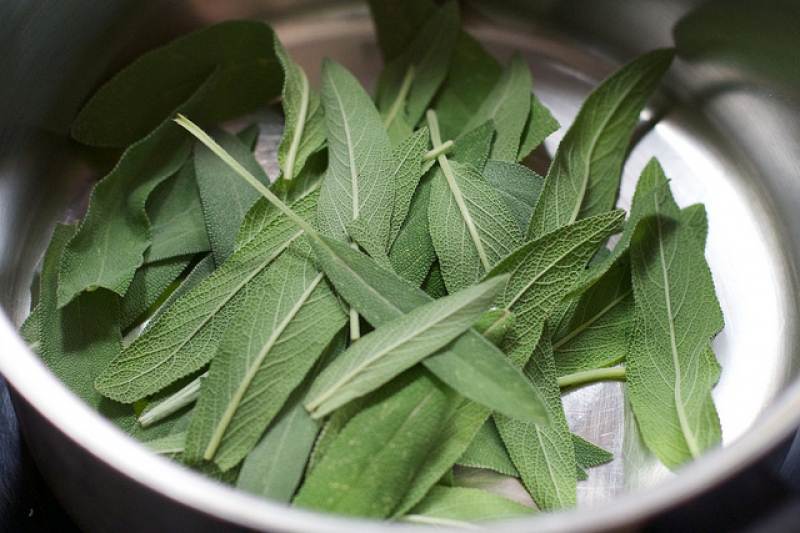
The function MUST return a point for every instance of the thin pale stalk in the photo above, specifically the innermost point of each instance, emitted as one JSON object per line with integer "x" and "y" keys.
{"x": 581, "y": 379}
{"x": 174, "y": 403}
{"x": 436, "y": 152}
{"x": 436, "y": 137}
{"x": 398, "y": 103}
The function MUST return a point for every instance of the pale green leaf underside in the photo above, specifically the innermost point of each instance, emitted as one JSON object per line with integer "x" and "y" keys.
{"x": 397, "y": 345}
{"x": 454, "y": 242}
{"x": 186, "y": 336}
{"x": 285, "y": 321}
{"x": 671, "y": 368}
{"x": 584, "y": 177}
{"x": 372, "y": 461}
{"x": 360, "y": 158}
{"x": 458, "y": 504}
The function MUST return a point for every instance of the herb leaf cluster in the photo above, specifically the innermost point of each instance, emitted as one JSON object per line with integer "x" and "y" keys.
{"x": 406, "y": 298}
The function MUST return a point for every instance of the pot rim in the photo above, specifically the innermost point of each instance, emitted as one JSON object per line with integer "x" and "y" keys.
{"x": 31, "y": 379}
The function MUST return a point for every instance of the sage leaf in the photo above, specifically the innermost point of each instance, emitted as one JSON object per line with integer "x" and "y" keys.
{"x": 472, "y": 365}
{"x": 176, "y": 218}
{"x": 149, "y": 283}
{"x": 410, "y": 169}
{"x": 541, "y": 274}
{"x": 225, "y": 196}
{"x": 331, "y": 429}
{"x": 262, "y": 213}
{"x": 185, "y": 337}
{"x": 201, "y": 271}
{"x": 275, "y": 466}
{"x": 508, "y": 106}
{"x": 428, "y": 58}
{"x": 671, "y": 367}
{"x": 543, "y": 455}
{"x": 487, "y": 450}
{"x": 588, "y": 455}
{"x": 583, "y": 179}
{"x": 473, "y": 147}
{"x": 78, "y": 341}
{"x": 457, "y": 431}
{"x": 518, "y": 186}
{"x": 169, "y": 444}
{"x": 304, "y": 130}
{"x": 594, "y": 329}
{"x": 470, "y": 227}
{"x": 539, "y": 126}
{"x": 397, "y": 345}
{"x": 360, "y": 158}
{"x": 472, "y": 75}
{"x": 495, "y": 324}
{"x": 447, "y": 506}
{"x": 283, "y": 325}
{"x": 412, "y": 252}
{"x": 146, "y": 93}
{"x": 433, "y": 285}
{"x": 397, "y": 23}
{"x": 116, "y": 221}
{"x": 372, "y": 461}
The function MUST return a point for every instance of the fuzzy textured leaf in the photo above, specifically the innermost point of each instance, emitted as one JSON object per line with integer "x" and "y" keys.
{"x": 185, "y": 338}
{"x": 397, "y": 345}
{"x": 583, "y": 179}
{"x": 671, "y": 367}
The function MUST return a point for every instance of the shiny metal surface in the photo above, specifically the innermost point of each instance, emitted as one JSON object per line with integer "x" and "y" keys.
{"x": 725, "y": 127}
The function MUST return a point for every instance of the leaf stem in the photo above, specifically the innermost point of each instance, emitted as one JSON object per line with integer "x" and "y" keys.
{"x": 436, "y": 152}
{"x": 174, "y": 403}
{"x": 436, "y": 137}
{"x": 398, "y": 103}
{"x": 588, "y": 377}
{"x": 305, "y": 96}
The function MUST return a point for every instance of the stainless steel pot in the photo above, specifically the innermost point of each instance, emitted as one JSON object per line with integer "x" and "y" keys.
{"x": 726, "y": 126}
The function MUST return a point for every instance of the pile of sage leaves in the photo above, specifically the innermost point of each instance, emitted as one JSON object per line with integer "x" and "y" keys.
{"x": 405, "y": 299}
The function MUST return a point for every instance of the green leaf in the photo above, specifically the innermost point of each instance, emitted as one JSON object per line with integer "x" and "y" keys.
{"x": 457, "y": 431}
{"x": 274, "y": 469}
{"x": 671, "y": 367}
{"x": 412, "y": 253}
{"x": 542, "y": 272}
{"x": 472, "y": 365}
{"x": 495, "y": 325}
{"x": 473, "y": 147}
{"x": 583, "y": 179}
{"x": 433, "y": 285}
{"x": 488, "y": 451}
{"x": 594, "y": 330}
{"x": 262, "y": 213}
{"x": 169, "y": 444}
{"x": 304, "y": 130}
{"x": 360, "y": 158}
{"x": 78, "y": 341}
{"x": 225, "y": 196}
{"x": 283, "y": 324}
{"x": 115, "y": 233}
{"x": 588, "y": 455}
{"x": 508, "y": 105}
{"x": 373, "y": 460}
{"x": 539, "y": 126}
{"x": 333, "y": 426}
{"x": 518, "y": 186}
{"x": 176, "y": 217}
{"x": 149, "y": 283}
{"x": 446, "y": 506}
{"x": 397, "y": 23}
{"x": 543, "y": 455}
{"x": 397, "y": 345}
{"x": 410, "y": 169}
{"x": 473, "y": 73}
{"x": 470, "y": 225}
{"x": 185, "y": 338}
{"x": 428, "y": 56}
{"x": 147, "y": 92}
{"x": 249, "y": 135}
